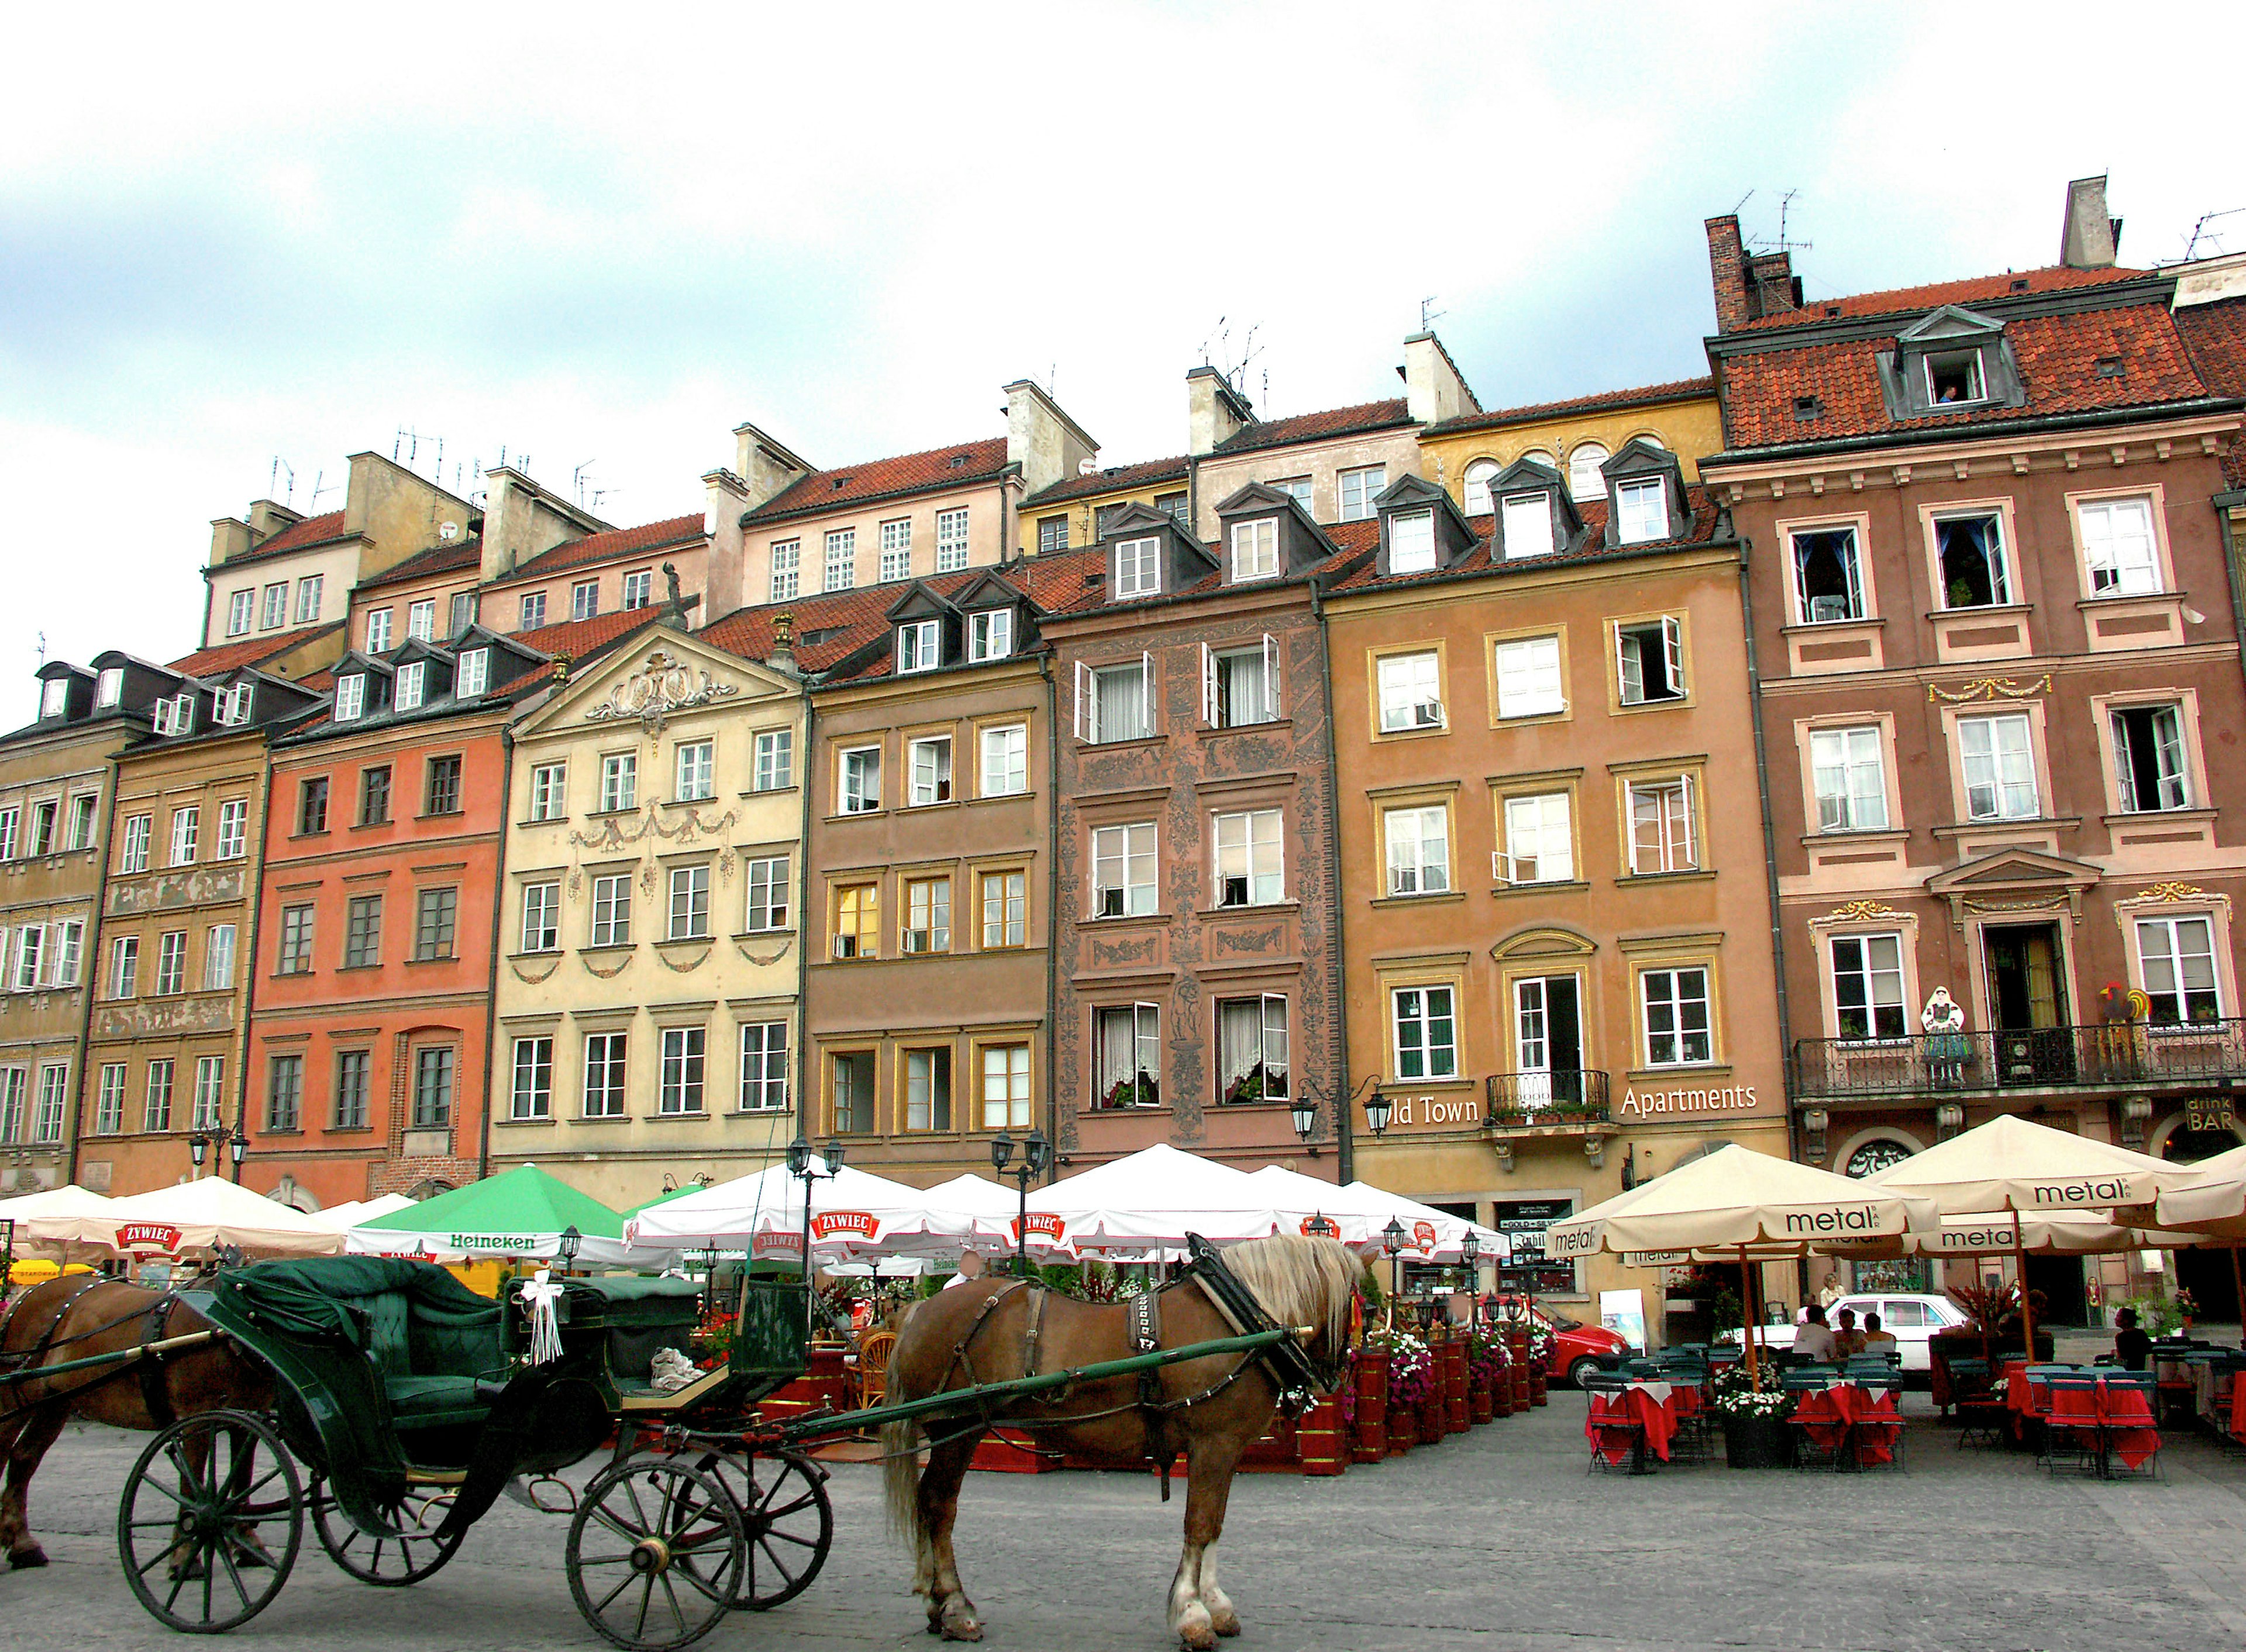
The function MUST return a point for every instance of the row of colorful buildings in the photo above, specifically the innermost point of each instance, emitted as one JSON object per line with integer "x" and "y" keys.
{"x": 1597, "y": 781}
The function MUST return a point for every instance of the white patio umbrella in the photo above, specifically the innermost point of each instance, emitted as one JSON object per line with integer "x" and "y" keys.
{"x": 2209, "y": 1203}
{"x": 213, "y": 1211}
{"x": 1154, "y": 1197}
{"x": 991, "y": 1207}
{"x": 853, "y": 1214}
{"x": 1361, "y": 1213}
{"x": 57, "y": 1217}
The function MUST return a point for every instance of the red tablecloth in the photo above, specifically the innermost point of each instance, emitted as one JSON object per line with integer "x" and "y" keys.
{"x": 1614, "y": 1420}
{"x": 2121, "y": 1412}
{"x": 1848, "y": 1416}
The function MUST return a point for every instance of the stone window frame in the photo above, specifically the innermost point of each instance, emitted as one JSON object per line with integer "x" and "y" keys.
{"x": 2037, "y": 713}
{"x": 1841, "y": 925}
{"x": 2154, "y": 493}
{"x": 1805, "y": 768}
{"x": 2185, "y": 701}
{"x": 1867, "y": 573}
{"x": 2005, "y": 508}
{"x": 1504, "y": 789}
{"x": 2198, "y": 903}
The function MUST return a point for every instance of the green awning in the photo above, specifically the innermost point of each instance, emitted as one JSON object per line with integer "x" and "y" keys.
{"x": 520, "y": 1213}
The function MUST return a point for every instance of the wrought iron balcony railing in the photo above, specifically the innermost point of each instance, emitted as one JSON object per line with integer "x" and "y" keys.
{"x": 1571, "y": 1097}
{"x": 2132, "y": 1054}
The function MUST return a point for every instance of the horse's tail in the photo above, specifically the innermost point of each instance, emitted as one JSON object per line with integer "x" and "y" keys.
{"x": 900, "y": 1444}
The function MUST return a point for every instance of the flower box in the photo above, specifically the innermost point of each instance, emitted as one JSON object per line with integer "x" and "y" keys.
{"x": 1757, "y": 1442}
{"x": 1369, "y": 1438}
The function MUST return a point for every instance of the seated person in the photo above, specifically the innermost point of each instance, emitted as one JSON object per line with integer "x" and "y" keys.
{"x": 1877, "y": 1337}
{"x": 1814, "y": 1340}
{"x": 2132, "y": 1348}
{"x": 1848, "y": 1340}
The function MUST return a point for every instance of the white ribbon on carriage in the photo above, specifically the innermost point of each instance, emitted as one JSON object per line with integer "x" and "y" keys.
{"x": 538, "y": 1297}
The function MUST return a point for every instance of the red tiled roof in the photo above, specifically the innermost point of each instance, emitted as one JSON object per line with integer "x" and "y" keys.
{"x": 883, "y": 477}
{"x": 1900, "y": 301}
{"x": 297, "y": 536}
{"x": 1314, "y": 427}
{"x": 1114, "y": 479}
{"x": 450, "y": 557}
{"x": 232, "y": 656}
{"x": 2058, "y": 358}
{"x": 2215, "y": 335}
{"x": 1644, "y": 395}
{"x": 1594, "y": 513}
{"x": 615, "y": 543}
{"x": 577, "y": 638}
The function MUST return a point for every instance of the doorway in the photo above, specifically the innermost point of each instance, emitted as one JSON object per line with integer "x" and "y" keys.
{"x": 1548, "y": 1040}
{"x": 2060, "y": 1279}
{"x": 2026, "y": 967}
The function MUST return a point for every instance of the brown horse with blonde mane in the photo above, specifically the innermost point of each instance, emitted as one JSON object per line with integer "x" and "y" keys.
{"x": 1210, "y": 1408}
{"x": 70, "y": 1318}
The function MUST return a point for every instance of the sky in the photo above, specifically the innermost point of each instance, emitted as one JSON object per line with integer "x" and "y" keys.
{"x": 238, "y": 245}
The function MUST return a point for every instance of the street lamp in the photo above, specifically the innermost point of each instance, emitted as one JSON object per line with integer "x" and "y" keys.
{"x": 198, "y": 1145}
{"x": 236, "y": 1144}
{"x": 235, "y": 1141}
{"x": 1036, "y": 1152}
{"x": 1304, "y": 1113}
{"x": 1377, "y": 1109}
{"x": 567, "y": 1246}
{"x": 800, "y": 1165}
{"x": 1391, "y": 1240}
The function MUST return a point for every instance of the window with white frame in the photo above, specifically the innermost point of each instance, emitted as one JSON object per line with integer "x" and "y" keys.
{"x": 1359, "y": 488}
{"x": 1251, "y": 1045}
{"x": 1849, "y": 770}
{"x": 109, "y": 1106}
{"x": 920, "y": 645}
{"x": 1425, "y": 1020}
{"x": 1411, "y": 542}
{"x": 859, "y": 791}
{"x": 350, "y": 698}
{"x": 612, "y": 914}
{"x": 858, "y": 921}
{"x": 690, "y": 903}
{"x": 680, "y": 1089}
{"x": 1641, "y": 510}
{"x": 697, "y": 771}
{"x": 619, "y": 781}
{"x": 841, "y": 558}
{"x": 1411, "y": 692}
{"x": 1418, "y": 850}
{"x": 2176, "y": 957}
{"x": 764, "y": 1066}
{"x": 30, "y": 954}
{"x": 1649, "y": 661}
{"x": 132, "y": 852}
{"x": 240, "y": 612}
{"x": 124, "y": 966}
{"x": 473, "y": 675}
{"x": 1867, "y": 999}
{"x": 1115, "y": 702}
{"x": 542, "y": 917}
{"x": 2148, "y": 757}
{"x": 1297, "y": 488}
{"x": 768, "y": 898}
{"x": 276, "y": 612}
{"x": 42, "y": 828}
{"x": 1127, "y": 1052}
{"x": 584, "y": 600}
{"x": 109, "y": 687}
{"x": 927, "y": 1088}
{"x": 1005, "y": 1086}
{"x": 990, "y": 634}
{"x": 47, "y": 1114}
{"x": 184, "y": 825}
{"x": 231, "y": 708}
{"x": 549, "y": 791}
{"x": 8, "y": 819}
{"x": 1240, "y": 686}
{"x": 1585, "y": 479}
{"x": 12, "y": 1082}
{"x": 1250, "y": 869}
{"x": 639, "y": 588}
{"x": 1828, "y": 575}
{"x": 1005, "y": 909}
{"x": 233, "y": 828}
{"x": 156, "y": 1102}
{"x": 1479, "y": 475}
{"x": 1675, "y": 1004}
{"x": 530, "y": 1095}
{"x": 605, "y": 1054}
{"x": 1525, "y": 523}
{"x": 774, "y": 768}
{"x": 210, "y": 1092}
{"x": 786, "y": 569}
{"x": 533, "y": 610}
{"x": 928, "y": 771}
{"x": 377, "y": 630}
{"x": 1123, "y": 870}
{"x": 218, "y": 957}
{"x": 1975, "y": 570}
{"x": 1255, "y": 549}
{"x": 896, "y": 549}
{"x": 175, "y": 715}
{"x": 928, "y": 916}
{"x": 70, "y": 944}
{"x": 421, "y": 620}
{"x": 83, "y": 810}
{"x": 1997, "y": 756}
{"x": 413, "y": 685}
{"x": 950, "y": 541}
{"x": 1138, "y": 568}
{"x": 1528, "y": 677}
{"x": 1540, "y": 844}
{"x": 460, "y": 613}
{"x": 1954, "y": 376}
{"x": 1006, "y": 760}
{"x": 1663, "y": 835}
{"x": 307, "y": 598}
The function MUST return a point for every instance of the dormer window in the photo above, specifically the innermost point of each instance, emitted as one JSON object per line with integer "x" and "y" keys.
{"x": 54, "y": 696}
{"x": 1528, "y": 524}
{"x": 1256, "y": 549}
{"x": 920, "y": 645}
{"x": 233, "y": 704}
{"x": 1138, "y": 568}
{"x": 990, "y": 634}
{"x": 109, "y": 687}
{"x": 1954, "y": 376}
{"x": 1411, "y": 542}
{"x": 412, "y": 685}
{"x": 350, "y": 698}
{"x": 175, "y": 715}
{"x": 475, "y": 673}
{"x": 1641, "y": 511}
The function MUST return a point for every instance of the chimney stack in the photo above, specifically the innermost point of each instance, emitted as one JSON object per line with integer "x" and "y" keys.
{"x": 765, "y": 468}
{"x": 1043, "y": 440}
{"x": 1215, "y": 411}
{"x": 1776, "y": 288}
{"x": 1434, "y": 390}
{"x": 230, "y": 537}
{"x": 2090, "y": 238}
{"x": 1727, "y": 272}
{"x": 267, "y": 518}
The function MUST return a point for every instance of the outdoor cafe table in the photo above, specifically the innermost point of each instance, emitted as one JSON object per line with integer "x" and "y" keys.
{"x": 2123, "y": 1413}
{"x": 1835, "y": 1416}
{"x": 1653, "y": 1405}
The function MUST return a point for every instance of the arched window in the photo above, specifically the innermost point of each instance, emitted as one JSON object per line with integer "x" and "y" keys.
{"x": 1584, "y": 478}
{"x": 1650, "y": 440}
{"x": 1876, "y": 1155}
{"x": 1542, "y": 458}
{"x": 1478, "y": 476}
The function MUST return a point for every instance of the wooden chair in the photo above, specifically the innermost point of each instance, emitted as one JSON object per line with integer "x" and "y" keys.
{"x": 874, "y": 1351}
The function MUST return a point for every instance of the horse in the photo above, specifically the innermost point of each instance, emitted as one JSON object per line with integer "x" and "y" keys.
{"x": 1212, "y": 1409}
{"x": 72, "y": 1318}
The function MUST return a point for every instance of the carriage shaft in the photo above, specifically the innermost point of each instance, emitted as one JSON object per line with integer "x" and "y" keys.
{"x": 188, "y": 1339}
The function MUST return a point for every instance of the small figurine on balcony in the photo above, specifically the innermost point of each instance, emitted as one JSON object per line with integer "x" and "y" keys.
{"x": 1947, "y": 1047}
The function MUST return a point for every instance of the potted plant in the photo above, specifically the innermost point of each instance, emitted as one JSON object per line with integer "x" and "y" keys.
{"x": 1486, "y": 1376}
{"x": 1753, "y": 1421}
{"x": 1410, "y": 1382}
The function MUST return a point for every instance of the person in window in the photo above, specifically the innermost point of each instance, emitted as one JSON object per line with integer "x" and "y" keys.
{"x": 1848, "y": 1340}
{"x": 2132, "y": 1348}
{"x": 1814, "y": 1340}
{"x": 1951, "y": 391}
{"x": 1877, "y": 1337}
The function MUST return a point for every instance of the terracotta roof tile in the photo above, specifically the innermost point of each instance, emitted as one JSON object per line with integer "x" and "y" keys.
{"x": 2058, "y": 358}
{"x": 2214, "y": 335}
{"x": 451, "y": 557}
{"x": 1315, "y": 427}
{"x": 297, "y": 536}
{"x": 232, "y": 656}
{"x": 577, "y": 638}
{"x": 1903, "y": 301}
{"x": 980, "y": 461}
{"x": 1705, "y": 515}
{"x": 616, "y": 542}
{"x": 1114, "y": 479}
{"x": 1643, "y": 396}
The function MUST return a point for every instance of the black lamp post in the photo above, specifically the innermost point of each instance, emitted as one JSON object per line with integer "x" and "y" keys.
{"x": 1376, "y": 1110}
{"x": 236, "y": 1144}
{"x": 567, "y": 1246}
{"x": 1470, "y": 1251}
{"x": 800, "y": 1165}
{"x": 1036, "y": 1152}
{"x": 198, "y": 1146}
{"x": 1391, "y": 1240}
{"x": 1304, "y": 1113}
{"x": 235, "y": 1141}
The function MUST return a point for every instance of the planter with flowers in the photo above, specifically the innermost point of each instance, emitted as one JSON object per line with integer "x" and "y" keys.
{"x": 1753, "y": 1421}
{"x": 1455, "y": 1402}
{"x": 1487, "y": 1379}
{"x": 1411, "y": 1383}
{"x": 1540, "y": 1359}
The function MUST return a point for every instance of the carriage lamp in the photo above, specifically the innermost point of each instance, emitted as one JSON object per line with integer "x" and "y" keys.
{"x": 1037, "y": 1154}
{"x": 1002, "y": 1150}
{"x": 1377, "y": 1109}
{"x": 198, "y": 1145}
{"x": 834, "y": 1150}
{"x": 568, "y": 1245}
{"x": 1304, "y": 1113}
{"x": 1949, "y": 1119}
{"x": 798, "y": 1156}
{"x": 236, "y": 1144}
{"x": 1391, "y": 1240}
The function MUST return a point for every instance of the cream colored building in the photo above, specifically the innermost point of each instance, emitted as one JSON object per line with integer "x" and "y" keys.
{"x": 649, "y": 954}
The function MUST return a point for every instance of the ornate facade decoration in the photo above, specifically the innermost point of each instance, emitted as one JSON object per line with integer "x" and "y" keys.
{"x": 1861, "y": 911}
{"x": 2173, "y": 892}
{"x": 531, "y": 980}
{"x": 1988, "y": 687}
{"x": 615, "y": 832}
{"x": 699, "y": 959}
{"x": 662, "y": 686}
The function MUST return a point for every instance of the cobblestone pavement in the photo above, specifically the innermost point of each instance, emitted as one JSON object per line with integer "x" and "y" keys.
{"x": 1497, "y": 1541}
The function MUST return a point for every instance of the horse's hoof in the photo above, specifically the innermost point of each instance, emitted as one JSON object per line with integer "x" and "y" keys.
{"x": 967, "y": 1629}
{"x": 1195, "y": 1630}
{"x": 24, "y": 1559}
{"x": 1226, "y": 1623}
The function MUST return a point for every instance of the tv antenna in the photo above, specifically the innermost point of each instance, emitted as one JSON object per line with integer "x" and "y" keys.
{"x": 1779, "y": 243}
{"x": 273, "y": 480}
{"x": 40, "y": 650}
{"x": 2200, "y": 232}
{"x": 1234, "y": 372}
{"x": 319, "y": 486}
{"x": 1428, "y": 314}
{"x": 577, "y": 477}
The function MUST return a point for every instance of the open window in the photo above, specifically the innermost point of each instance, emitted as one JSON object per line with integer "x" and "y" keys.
{"x": 1828, "y": 575}
{"x": 1250, "y": 858}
{"x": 1540, "y": 844}
{"x": 1976, "y": 573}
{"x": 1240, "y": 686}
{"x": 2148, "y": 758}
{"x": 1123, "y": 870}
{"x": 1663, "y": 835}
{"x": 1649, "y": 661}
{"x": 1954, "y": 376}
{"x": 1411, "y": 692}
{"x": 1115, "y": 702}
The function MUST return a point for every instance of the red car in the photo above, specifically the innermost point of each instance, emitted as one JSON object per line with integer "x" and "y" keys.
{"x": 1576, "y": 1348}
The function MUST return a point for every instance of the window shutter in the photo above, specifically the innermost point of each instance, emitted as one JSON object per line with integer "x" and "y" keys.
{"x": 1209, "y": 707}
{"x": 1692, "y": 823}
{"x": 1271, "y": 678}
{"x": 1672, "y": 645}
{"x": 1147, "y": 722}
{"x": 1087, "y": 705}
{"x": 1630, "y": 823}
{"x": 1629, "y": 667}
{"x": 2123, "y": 775}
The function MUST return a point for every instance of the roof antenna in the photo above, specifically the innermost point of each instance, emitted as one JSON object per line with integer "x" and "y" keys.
{"x": 273, "y": 480}
{"x": 577, "y": 481}
{"x": 1218, "y": 334}
{"x": 1743, "y": 201}
{"x": 2200, "y": 230}
{"x": 1428, "y": 314}
{"x": 41, "y": 650}
{"x": 318, "y": 487}
{"x": 1780, "y": 244}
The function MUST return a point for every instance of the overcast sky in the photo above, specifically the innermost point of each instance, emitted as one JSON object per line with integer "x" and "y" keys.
{"x": 229, "y": 237}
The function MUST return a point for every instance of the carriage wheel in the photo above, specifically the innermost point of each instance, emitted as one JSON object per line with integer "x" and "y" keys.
{"x": 789, "y": 1520}
{"x": 386, "y": 1562}
{"x": 654, "y": 1553}
{"x": 211, "y": 1520}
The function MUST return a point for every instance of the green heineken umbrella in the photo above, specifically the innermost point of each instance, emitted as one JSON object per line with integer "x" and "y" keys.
{"x": 522, "y": 1213}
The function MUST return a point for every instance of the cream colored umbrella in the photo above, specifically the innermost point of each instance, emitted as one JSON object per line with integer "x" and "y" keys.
{"x": 2012, "y": 1168}
{"x": 199, "y": 1215}
{"x": 56, "y": 1218}
{"x": 2211, "y": 1205}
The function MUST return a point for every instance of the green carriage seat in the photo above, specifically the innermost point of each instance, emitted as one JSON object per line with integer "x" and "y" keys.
{"x": 638, "y": 1317}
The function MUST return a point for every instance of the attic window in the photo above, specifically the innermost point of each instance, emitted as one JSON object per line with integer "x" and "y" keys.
{"x": 1832, "y": 310}
{"x": 54, "y": 696}
{"x": 1954, "y": 377}
{"x": 841, "y": 482}
{"x": 1526, "y": 522}
{"x": 109, "y": 687}
{"x": 2020, "y": 284}
{"x": 1806, "y": 408}
{"x": 958, "y": 462}
{"x": 2109, "y": 367}
{"x": 919, "y": 645}
{"x": 351, "y": 697}
{"x": 821, "y": 634}
{"x": 1411, "y": 542}
{"x": 1641, "y": 511}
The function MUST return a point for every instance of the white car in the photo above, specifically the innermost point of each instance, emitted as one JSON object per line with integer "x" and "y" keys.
{"x": 1913, "y": 1319}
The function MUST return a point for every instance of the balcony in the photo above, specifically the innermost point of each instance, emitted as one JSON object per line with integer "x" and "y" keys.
{"x": 1547, "y": 1104}
{"x": 2131, "y": 1055}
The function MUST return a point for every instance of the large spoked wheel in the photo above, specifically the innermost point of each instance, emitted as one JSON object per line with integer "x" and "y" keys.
{"x": 211, "y": 1520}
{"x": 789, "y": 1520}
{"x": 654, "y": 1553}
{"x": 386, "y": 1562}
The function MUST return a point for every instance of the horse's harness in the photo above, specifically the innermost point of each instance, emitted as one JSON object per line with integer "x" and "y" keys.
{"x": 22, "y": 1367}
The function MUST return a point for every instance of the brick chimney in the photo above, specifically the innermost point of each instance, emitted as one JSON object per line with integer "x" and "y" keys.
{"x": 1214, "y": 411}
{"x": 1045, "y": 441}
{"x": 2090, "y": 238}
{"x": 1727, "y": 272}
{"x": 1775, "y": 289}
